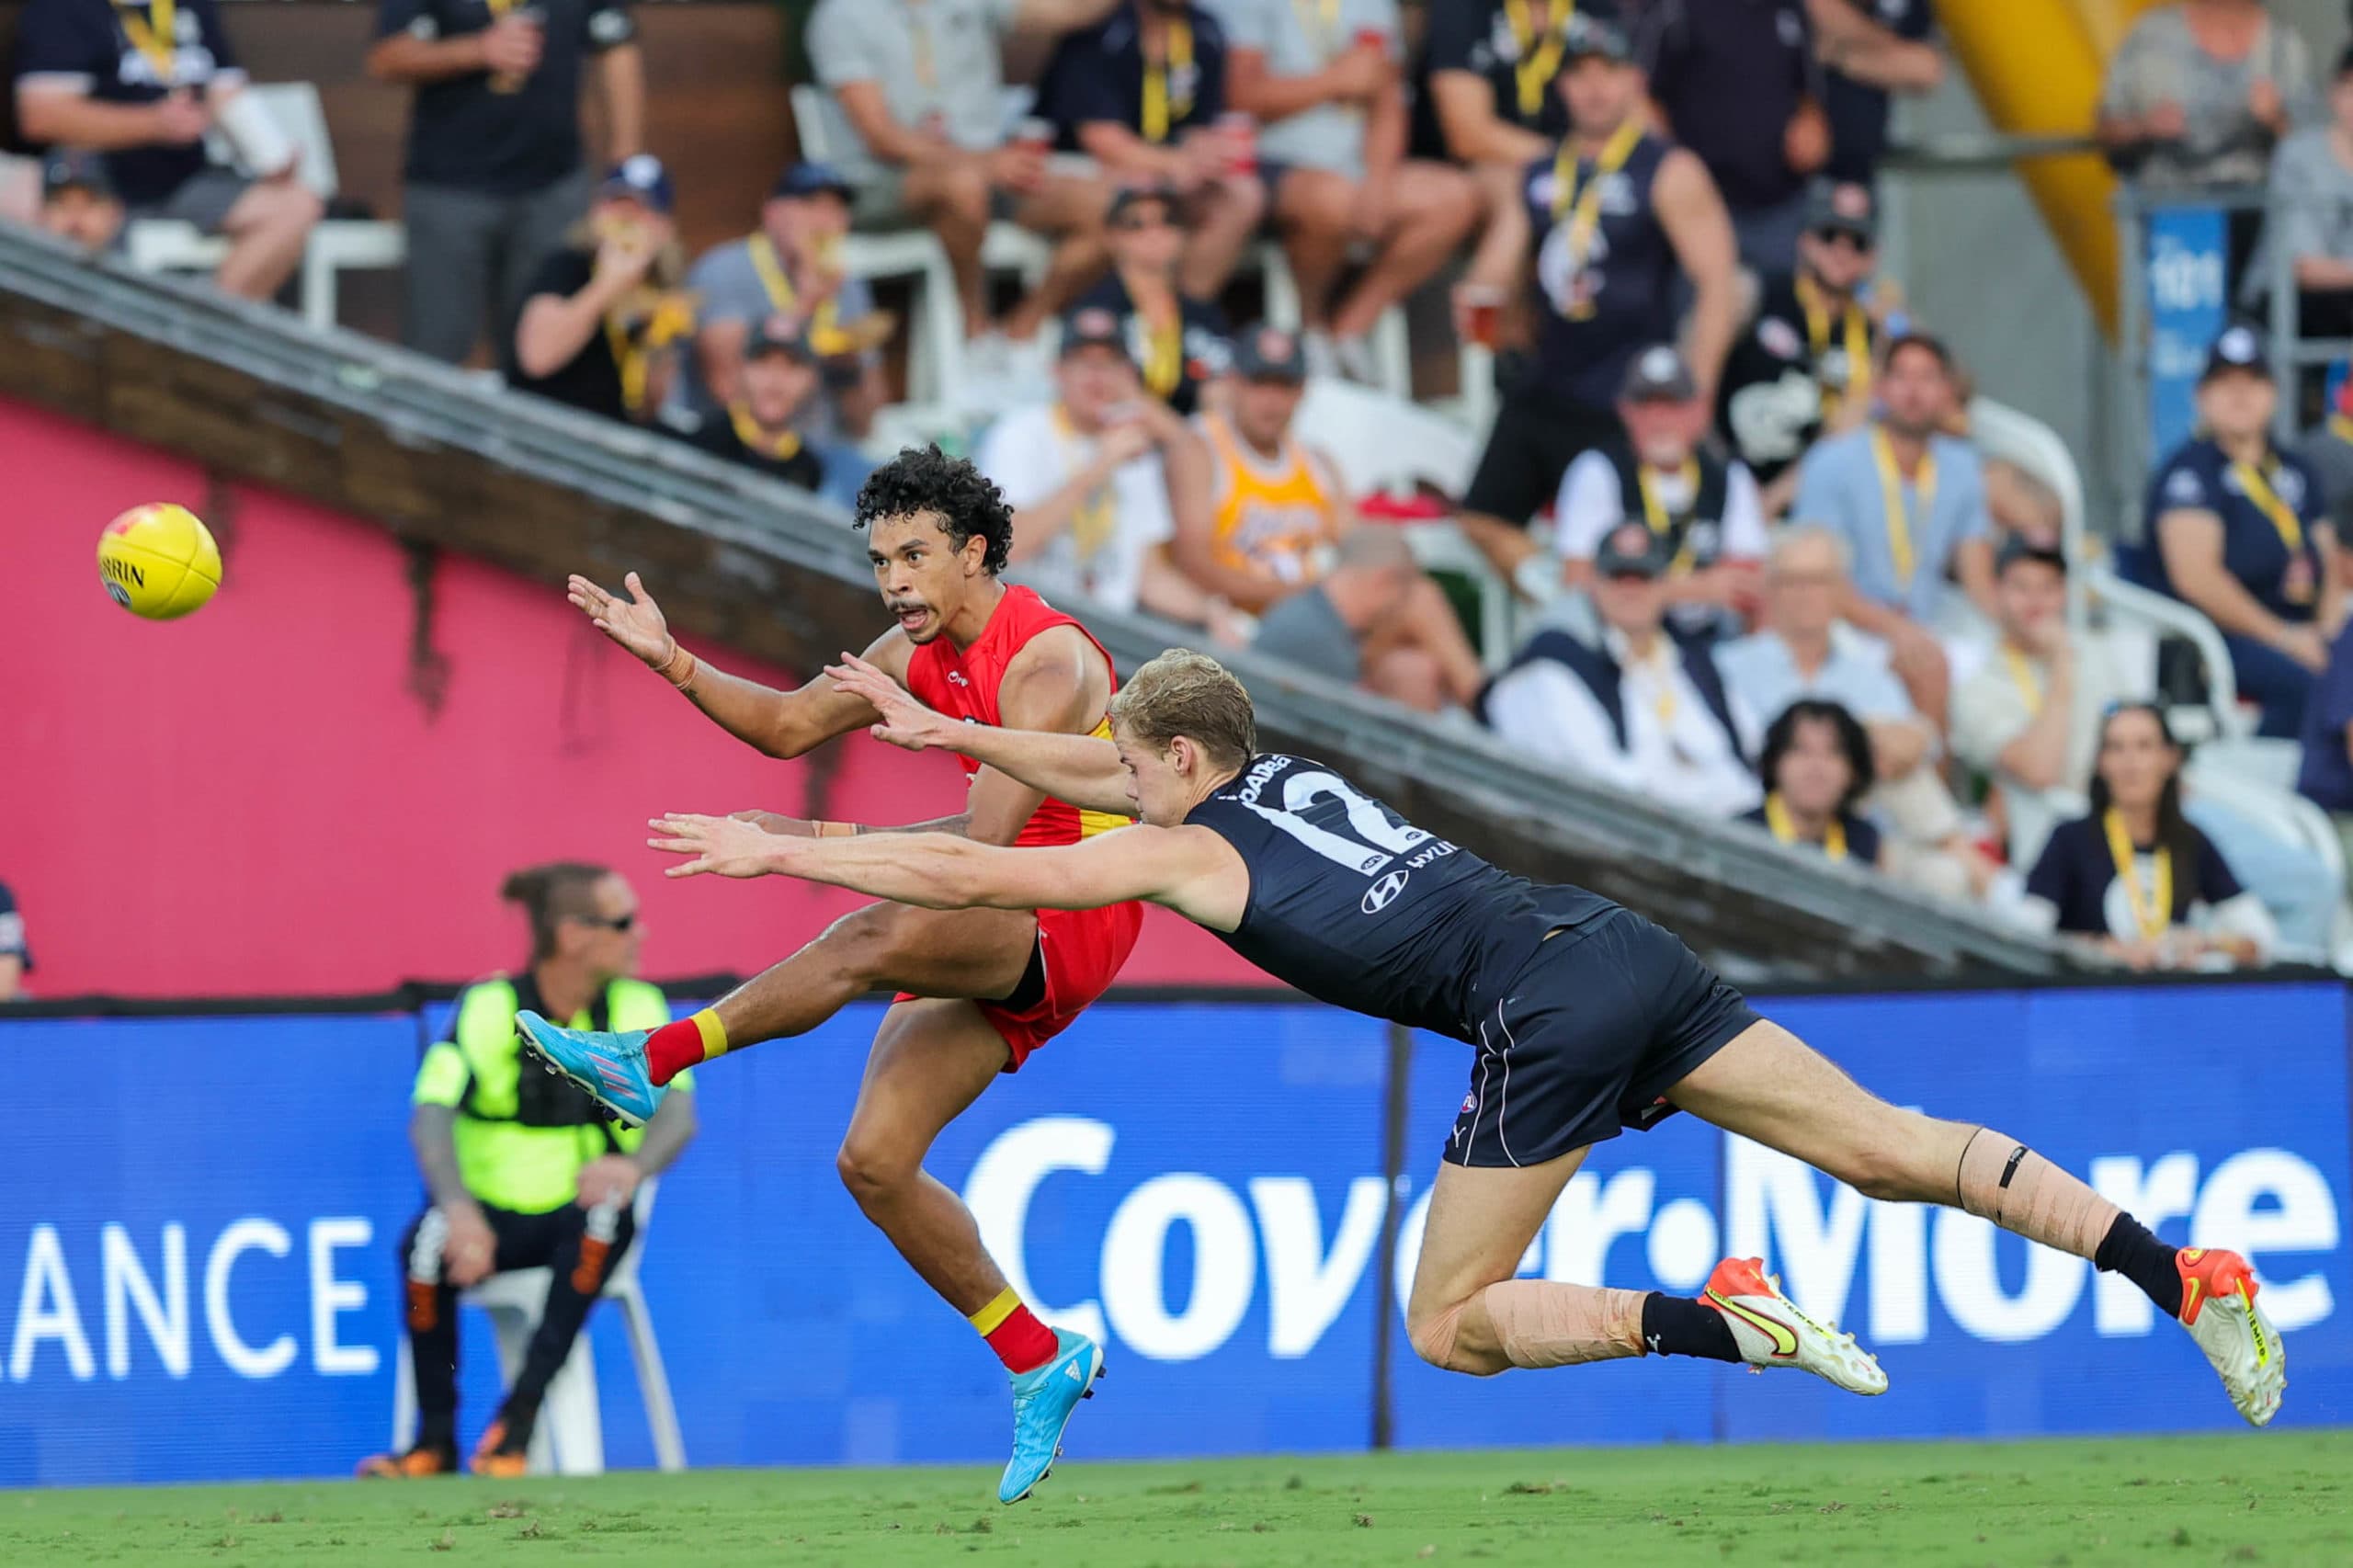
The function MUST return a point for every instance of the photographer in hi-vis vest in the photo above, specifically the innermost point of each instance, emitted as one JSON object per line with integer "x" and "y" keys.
{"x": 522, "y": 1170}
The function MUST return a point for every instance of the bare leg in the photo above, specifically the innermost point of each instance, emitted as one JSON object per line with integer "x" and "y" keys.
{"x": 268, "y": 228}
{"x": 963, "y": 952}
{"x": 1426, "y": 624}
{"x": 1312, "y": 213}
{"x": 1225, "y": 216}
{"x": 1405, "y": 676}
{"x": 1071, "y": 211}
{"x": 1481, "y": 1220}
{"x": 952, "y": 201}
{"x": 1433, "y": 209}
{"x": 930, "y": 1061}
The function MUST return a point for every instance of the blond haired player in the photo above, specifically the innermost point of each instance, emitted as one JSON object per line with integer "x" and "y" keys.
{"x": 1278, "y": 546}
{"x": 1587, "y": 1019}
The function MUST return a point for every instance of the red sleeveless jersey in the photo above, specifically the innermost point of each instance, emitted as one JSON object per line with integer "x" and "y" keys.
{"x": 964, "y": 686}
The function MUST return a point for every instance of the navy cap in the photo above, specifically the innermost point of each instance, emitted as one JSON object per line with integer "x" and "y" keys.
{"x": 779, "y": 335}
{"x": 1842, "y": 206}
{"x": 1631, "y": 550}
{"x": 1271, "y": 354}
{"x": 2239, "y": 349}
{"x": 1588, "y": 34}
{"x": 1126, "y": 196}
{"x": 641, "y": 179}
{"x": 1658, "y": 375}
{"x": 68, "y": 167}
{"x": 811, "y": 179}
{"x": 1093, "y": 326}
{"x": 2019, "y": 546}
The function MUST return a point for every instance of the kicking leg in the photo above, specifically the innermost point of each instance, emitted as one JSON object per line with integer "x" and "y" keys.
{"x": 1768, "y": 1085}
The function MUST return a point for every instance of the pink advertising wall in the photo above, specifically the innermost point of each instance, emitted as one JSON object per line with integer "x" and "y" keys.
{"x": 253, "y": 800}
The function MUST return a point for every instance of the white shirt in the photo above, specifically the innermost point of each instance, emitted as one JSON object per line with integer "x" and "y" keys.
{"x": 1031, "y": 453}
{"x": 1675, "y": 752}
{"x": 1592, "y": 502}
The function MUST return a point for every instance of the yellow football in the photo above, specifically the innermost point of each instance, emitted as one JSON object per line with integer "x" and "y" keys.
{"x": 159, "y": 561}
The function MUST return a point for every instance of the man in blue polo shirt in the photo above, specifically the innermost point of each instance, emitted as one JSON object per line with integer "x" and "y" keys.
{"x": 142, "y": 84}
{"x": 495, "y": 169}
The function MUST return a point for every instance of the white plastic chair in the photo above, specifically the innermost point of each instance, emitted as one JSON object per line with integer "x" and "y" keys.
{"x": 335, "y": 245}
{"x": 570, "y": 1437}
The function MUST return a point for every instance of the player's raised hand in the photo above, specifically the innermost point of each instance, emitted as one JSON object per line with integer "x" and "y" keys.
{"x": 905, "y": 721}
{"x": 635, "y": 623}
{"x": 723, "y": 846}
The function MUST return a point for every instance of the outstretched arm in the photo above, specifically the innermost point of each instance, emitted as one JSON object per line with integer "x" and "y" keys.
{"x": 1084, "y": 770}
{"x": 1189, "y": 869}
{"x": 781, "y": 723}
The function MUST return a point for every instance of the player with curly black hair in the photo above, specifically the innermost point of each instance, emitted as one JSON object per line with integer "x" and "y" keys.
{"x": 976, "y": 993}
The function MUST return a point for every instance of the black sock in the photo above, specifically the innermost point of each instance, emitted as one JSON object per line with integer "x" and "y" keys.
{"x": 1678, "y": 1325}
{"x": 437, "y": 1437}
{"x": 2130, "y": 1249}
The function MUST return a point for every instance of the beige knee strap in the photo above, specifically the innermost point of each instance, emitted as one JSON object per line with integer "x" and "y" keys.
{"x": 2003, "y": 1181}
{"x": 1542, "y": 1325}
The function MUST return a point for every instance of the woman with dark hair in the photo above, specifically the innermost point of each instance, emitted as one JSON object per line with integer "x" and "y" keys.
{"x": 1817, "y": 767}
{"x": 2135, "y": 876}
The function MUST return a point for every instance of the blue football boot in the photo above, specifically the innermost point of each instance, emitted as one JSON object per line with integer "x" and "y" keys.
{"x": 1044, "y": 1399}
{"x": 610, "y": 1068}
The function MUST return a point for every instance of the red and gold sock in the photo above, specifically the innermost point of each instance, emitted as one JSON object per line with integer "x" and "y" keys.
{"x": 1020, "y": 1341}
{"x": 689, "y": 1043}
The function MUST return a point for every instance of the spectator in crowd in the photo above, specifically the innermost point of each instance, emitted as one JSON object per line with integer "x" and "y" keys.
{"x": 495, "y": 173}
{"x": 1803, "y": 367}
{"x": 1486, "y": 96}
{"x": 1816, "y": 769}
{"x": 761, "y": 427}
{"x": 2028, "y": 717}
{"x": 15, "y": 957}
{"x": 2311, "y": 221}
{"x": 1280, "y": 513}
{"x": 1100, "y": 481}
{"x": 917, "y": 124}
{"x": 2200, "y": 92}
{"x": 1322, "y": 81}
{"x": 521, "y": 1169}
{"x": 604, "y": 321}
{"x": 1735, "y": 82}
{"x": 1640, "y": 710}
{"x": 78, "y": 203}
{"x": 1143, "y": 93}
{"x": 2237, "y": 530}
{"x": 1372, "y": 621}
{"x": 791, "y": 266}
{"x": 1662, "y": 475}
{"x": 1803, "y": 652}
{"x": 2327, "y": 451}
{"x": 94, "y": 74}
{"x": 1180, "y": 341}
{"x": 1910, "y": 502}
{"x": 1868, "y": 50}
{"x": 1626, "y": 221}
{"x": 2135, "y": 877}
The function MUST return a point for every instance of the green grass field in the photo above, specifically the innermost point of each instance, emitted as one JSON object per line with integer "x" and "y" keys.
{"x": 2272, "y": 1498}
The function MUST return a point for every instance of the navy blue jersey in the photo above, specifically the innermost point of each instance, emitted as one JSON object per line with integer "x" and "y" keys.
{"x": 1601, "y": 304}
{"x": 2198, "y": 477}
{"x": 110, "y": 54}
{"x": 1097, "y": 75}
{"x": 1358, "y": 907}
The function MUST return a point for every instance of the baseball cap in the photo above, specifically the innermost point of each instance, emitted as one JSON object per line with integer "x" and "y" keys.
{"x": 1271, "y": 354}
{"x": 2239, "y": 349}
{"x": 811, "y": 179}
{"x": 1658, "y": 375}
{"x": 1092, "y": 326}
{"x": 1630, "y": 550}
{"x": 1126, "y": 196}
{"x": 777, "y": 334}
{"x": 69, "y": 167}
{"x": 1588, "y": 34}
{"x": 641, "y": 179}
{"x": 2018, "y": 547}
{"x": 1844, "y": 207}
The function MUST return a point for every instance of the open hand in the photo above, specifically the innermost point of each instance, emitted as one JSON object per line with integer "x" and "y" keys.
{"x": 905, "y": 721}
{"x": 469, "y": 1250}
{"x": 724, "y": 846}
{"x": 608, "y": 1178}
{"x": 636, "y": 622}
